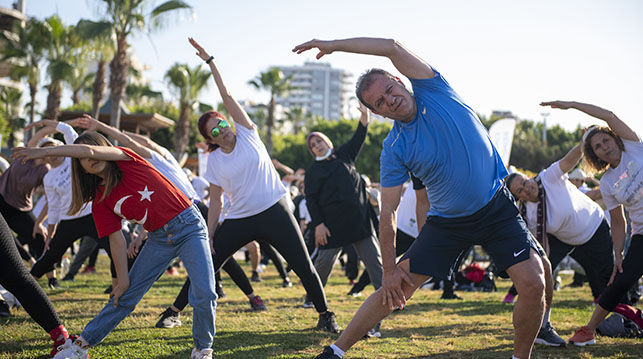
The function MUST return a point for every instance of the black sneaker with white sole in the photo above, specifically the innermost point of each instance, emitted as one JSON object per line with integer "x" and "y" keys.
{"x": 328, "y": 323}
{"x": 548, "y": 336}
{"x": 328, "y": 353}
{"x": 169, "y": 319}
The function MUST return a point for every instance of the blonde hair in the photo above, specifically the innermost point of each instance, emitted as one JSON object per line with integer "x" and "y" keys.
{"x": 84, "y": 185}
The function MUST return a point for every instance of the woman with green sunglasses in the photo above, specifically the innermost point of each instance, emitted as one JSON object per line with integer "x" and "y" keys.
{"x": 239, "y": 165}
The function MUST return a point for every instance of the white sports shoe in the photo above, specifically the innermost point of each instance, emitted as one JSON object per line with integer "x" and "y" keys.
{"x": 70, "y": 350}
{"x": 201, "y": 354}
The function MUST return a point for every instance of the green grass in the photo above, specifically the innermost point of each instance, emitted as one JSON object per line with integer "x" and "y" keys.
{"x": 477, "y": 327}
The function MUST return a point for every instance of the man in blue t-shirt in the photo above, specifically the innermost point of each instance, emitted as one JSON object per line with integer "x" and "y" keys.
{"x": 439, "y": 139}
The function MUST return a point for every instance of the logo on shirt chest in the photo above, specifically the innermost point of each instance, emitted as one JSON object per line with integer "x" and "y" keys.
{"x": 145, "y": 195}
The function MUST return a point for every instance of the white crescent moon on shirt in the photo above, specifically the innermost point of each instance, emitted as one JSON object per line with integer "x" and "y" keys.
{"x": 117, "y": 210}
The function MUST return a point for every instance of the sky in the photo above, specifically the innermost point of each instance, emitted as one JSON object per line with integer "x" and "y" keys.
{"x": 498, "y": 55}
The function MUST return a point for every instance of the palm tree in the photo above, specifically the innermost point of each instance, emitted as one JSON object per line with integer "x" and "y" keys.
{"x": 59, "y": 44}
{"x": 10, "y": 100}
{"x": 274, "y": 82}
{"x": 187, "y": 83}
{"x": 123, "y": 17}
{"x": 28, "y": 48}
{"x": 300, "y": 119}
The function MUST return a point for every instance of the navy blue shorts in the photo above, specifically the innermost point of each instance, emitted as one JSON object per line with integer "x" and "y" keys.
{"x": 497, "y": 226}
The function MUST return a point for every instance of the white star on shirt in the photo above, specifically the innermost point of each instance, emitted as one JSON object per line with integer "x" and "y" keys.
{"x": 146, "y": 194}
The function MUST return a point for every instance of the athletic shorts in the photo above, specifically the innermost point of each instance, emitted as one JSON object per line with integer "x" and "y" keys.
{"x": 497, "y": 226}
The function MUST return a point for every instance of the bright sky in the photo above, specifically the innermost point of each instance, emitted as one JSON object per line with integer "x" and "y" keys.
{"x": 498, "y": 55}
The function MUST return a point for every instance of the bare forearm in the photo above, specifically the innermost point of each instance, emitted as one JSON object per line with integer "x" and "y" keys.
{"x": 387, "y": 241}
{"x": 618, "y": 236}
{"x": 119, "y": 256}
{"x": 571, "y": 159}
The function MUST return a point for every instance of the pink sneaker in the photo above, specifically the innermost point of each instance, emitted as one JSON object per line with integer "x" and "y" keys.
{"x": 583, "y": 336}
{"x": 509, "y": 298}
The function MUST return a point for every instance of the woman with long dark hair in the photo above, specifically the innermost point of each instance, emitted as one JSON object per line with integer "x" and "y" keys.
{"x": 122, "y": 185}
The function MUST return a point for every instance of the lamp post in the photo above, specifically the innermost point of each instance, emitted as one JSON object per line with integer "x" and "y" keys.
{"x": 544, "y": 115}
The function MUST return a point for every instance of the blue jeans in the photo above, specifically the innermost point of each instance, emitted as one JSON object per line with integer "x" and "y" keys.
{"x": 184, "y": 236}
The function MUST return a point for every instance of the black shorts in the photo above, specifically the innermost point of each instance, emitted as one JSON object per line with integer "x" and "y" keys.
{"x": 497, "y": 226}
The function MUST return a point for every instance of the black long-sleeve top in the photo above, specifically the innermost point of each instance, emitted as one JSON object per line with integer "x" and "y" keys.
{"x": 336, "y": 195}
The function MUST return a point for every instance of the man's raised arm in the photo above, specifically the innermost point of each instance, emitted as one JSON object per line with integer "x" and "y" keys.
{"x": 406, "y": 62}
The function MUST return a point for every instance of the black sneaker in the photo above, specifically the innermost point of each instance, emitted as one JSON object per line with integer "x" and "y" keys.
{"x": 4, "y": 309}
{"x": 53, "y": 283}
{"x": 328, "y": 353}
{"x": 328, "y": 323}
{"x": 255, "y": 277}
{"x": 374, "y": 332}
{"x": 450, "y": 296}
{"x": 549, "y": 337}
{"x": 108, "y": 290}
{"x": 169, "y": 319}
{"x": 286, "y": 283}
{"x": 219, "y": 290}
{"x": 256, "y": 303}
{"x": 68, "y": 278}
{"x": 308, "y": 303}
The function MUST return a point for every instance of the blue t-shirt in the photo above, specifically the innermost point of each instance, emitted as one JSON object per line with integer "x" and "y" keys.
{"x": 447, "y": 148}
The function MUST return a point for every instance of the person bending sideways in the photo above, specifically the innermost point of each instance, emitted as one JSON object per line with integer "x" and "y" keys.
{"x": 441, "y": 141}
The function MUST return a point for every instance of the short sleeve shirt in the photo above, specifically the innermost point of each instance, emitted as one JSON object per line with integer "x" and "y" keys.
{"x": 143, "y": 196}
{"x": 246, "y": 174}
{"x": 447, "y": 148}
{"x": 623, "y": 185}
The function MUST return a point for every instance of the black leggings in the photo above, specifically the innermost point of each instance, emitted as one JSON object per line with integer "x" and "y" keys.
{"x": 278, "y": 227}
{"x": 22, "y": 223}
{"x": 276, "y": 259}
{"x": 15, "y": 278}
{"x": 67, "y": 233}
{"x": 632, "y": 271}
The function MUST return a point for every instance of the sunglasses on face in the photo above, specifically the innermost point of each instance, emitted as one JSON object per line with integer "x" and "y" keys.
{"x": 215, "y": 132}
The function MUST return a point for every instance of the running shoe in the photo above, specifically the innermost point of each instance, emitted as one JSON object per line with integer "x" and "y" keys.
{"x": 328, "y": 323}
{"x": 255, "y": 277}
{"x": 451, "y": 295}
{"x": 68, "y": 278}
{"x": 549, "y": 337}
{"x": 308, "y": 303}
{"x": 201, "y": 354}
{"x": 4, "y": 309}
{"x": 256, "y": 303}
{"x": 71, "y": 350}
{"x": 509, "y": 298}
{"x": 583, "y": 336}
{"x": 328, "y": 353}
{"x": 286, "y": 283}
{"x": 172, "y": 271}
{"x": 374, "y": 332}
{"x": 219, "y": 290}
{"x": 53, "y": 283}
{"x": 169, "y": 319}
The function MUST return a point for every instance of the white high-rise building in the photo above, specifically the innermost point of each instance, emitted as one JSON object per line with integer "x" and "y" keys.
{"x": 320, "y": 90}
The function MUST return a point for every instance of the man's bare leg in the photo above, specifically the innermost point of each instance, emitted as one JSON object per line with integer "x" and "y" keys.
{"x": 529, "y": 278}
{"x": 372, "y": 310}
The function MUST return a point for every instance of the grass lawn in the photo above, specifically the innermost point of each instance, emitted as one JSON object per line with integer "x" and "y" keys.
{"x": 477, "y": 327}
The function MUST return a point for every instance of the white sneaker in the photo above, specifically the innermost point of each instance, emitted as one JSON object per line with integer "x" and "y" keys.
{"x": 201, "y": 354}
{"x": 71, "y": 350}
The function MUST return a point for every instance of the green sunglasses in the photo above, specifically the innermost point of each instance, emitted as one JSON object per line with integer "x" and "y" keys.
{"x": 215, "y": 131}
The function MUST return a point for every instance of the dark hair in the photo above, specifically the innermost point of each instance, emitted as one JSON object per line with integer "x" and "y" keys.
{"x": 510, "y": 179}
{"x": 592, "y": 163}
{"x": 365, "y": 81}
{"x": 84, "y": 185}
{"x": 203, "y": 120}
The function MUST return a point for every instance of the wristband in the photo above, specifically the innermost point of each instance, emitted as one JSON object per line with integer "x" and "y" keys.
{"x": 209, "y": 60}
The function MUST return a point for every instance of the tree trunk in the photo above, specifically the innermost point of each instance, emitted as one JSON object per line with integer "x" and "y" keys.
{"x": 75, "y": 97}
{"x": 33, "y": 91}
{"x": 182, "y": 130}
{"x": 53, "y": 100}
{"x": 270, "y": 123}
{"x": 118, "y": 79}
{"x": 98, "y": 89}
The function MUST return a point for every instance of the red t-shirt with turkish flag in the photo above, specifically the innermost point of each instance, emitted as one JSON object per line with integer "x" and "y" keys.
{"x": 144, "y": 196}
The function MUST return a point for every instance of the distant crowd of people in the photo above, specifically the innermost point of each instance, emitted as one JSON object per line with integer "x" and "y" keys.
{"x": 443, "y": 190}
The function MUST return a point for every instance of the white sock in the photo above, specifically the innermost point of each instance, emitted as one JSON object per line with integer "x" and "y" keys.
{"x": 340, "y": 353}
{"x": 545, "y": 318}
{"x": 514, "y": 357}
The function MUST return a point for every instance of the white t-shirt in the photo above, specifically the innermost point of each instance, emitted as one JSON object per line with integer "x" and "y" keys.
{"x": 174, "y": 173}
{"x": 201, "y": 186}
{"x": 623, "y": 185}
{"x": 57, "y": 183}
{"x": 303, "y": 211}
{"x": 406, "y": 216}
{"x": 571, "y": 216}
{"x": 246, "y": 174}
